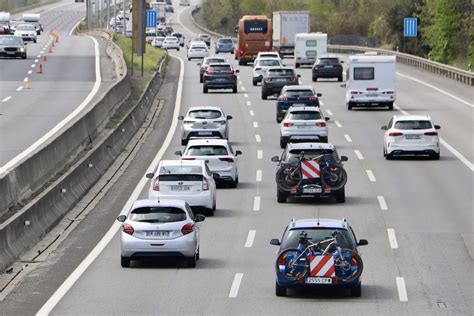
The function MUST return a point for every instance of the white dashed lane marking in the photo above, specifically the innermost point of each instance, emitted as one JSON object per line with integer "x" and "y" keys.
{"x": 256, "y": 204}
{"x": 382, "y": 203}
{"x": 252, "y": 113}
{"x": 19, "y": 88}
{"x": 348, "y": 138}
{"x": 33, "y": 66}
{"x": 258, "y": 176}
{"x": 259, "y": 154}
{"x": 329, "y": 112}
{"x": 246, "y": 95}
{"x": 359, "y": 154}
{"x": 249, "y": 103}
{"x": 234, "y": 289}
{"x": 338, "y": 124}
{"x": 371, "y": 175}
{"x": 30, "y": 72}
{"x": 6, "y": 99}
{"x": 255, "y": 124}
{"x": 250, "y": 239}
{"x": 257, "y": 138}
{"x": 392, "y": 238}
{"x": 402, "y": 291}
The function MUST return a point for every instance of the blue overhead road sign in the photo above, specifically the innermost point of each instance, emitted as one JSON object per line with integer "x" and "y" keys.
{"x": 410, "y": 27}
{"x": 150, "y": 18}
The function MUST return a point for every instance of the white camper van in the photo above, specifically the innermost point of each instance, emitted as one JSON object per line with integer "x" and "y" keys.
{"x": 370, "y": 81}
{"x": 309, "y": 46}
{"x": 33, "y": 18}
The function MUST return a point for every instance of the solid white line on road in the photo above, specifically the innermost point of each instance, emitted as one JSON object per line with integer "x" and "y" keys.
{"x": 6, "y": 99}
{"x": 338, "y": 124}
{"x": 242, "y": 88}
{"x": 255, "y": 124}
{"x": 19, "y": 88}
{"x": 252, "y": 113}
{"x": 30, "y": 72}
{"x": 259, "y": 154}
{"x": 234, "y": 289}
{"x": 402, "y": 290}
{"x": 359, "y": 154}
{"x": 438, "y": 89}
{"x": 33, "y": 66}
{"x": 249, "y": 103}
{"x": 76, "y": 274}
{"x": 382, "y": 203}
{"x": 392, "y": 239}
{"x": 36, "y": 60}
{"x": 329, "y": 112}
{"x": 246, "y": 95}
{"x": 258, "y": 176}
{"x": 250, "y": 239}
{"x": 256, "y": 203}
{"x": 348, "y": 138}
{"x": 257, "y": 138}
{"x": 400, "y": 109}
{"x": 98, "y": 79}
{"x": 371, "y": 176}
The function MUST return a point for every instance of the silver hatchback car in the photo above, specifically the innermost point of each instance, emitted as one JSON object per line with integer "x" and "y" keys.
{"x": 164, "y": 228}
{"x": 204, "y": 122}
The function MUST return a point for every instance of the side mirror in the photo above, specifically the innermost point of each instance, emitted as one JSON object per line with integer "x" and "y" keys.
{"x": 344, "y": 158}
{"x": 342, "y": 61}
{"x": 384, "y": 128}
{"x": 299, "y": 76}
{"x": 319, "y": 95}
{"x": 275, "y": 242}
{"x": 180, "y": 117}
{"x": 327, "y": 118}
{"x": 437, "y": 127}
{"x": 237, "y": 71}
{"x": 199, "y": 218}
{"x": 121, "y": 218}
{"x": 199, "y": 64}
{"x": 216, "y": 176}
{"x": 275, "y": 159}
{"x": 362, "y": 242}
{"x": 229, "y": 117}
{"x": 178, "y": 153}
{"x": 238, "y": 152}
{"x": 343, "y": 85}
{"x": 150, "y": 175}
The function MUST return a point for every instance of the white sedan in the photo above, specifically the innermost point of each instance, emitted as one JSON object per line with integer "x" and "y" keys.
{"x": 198, "y": 50}
{"x": 219, "y": 156}
{"x": 411, "y": 135}
{"x": 262, "y": 64}
{"x": 303, "y": 124}
{"x": 171, "y": 42}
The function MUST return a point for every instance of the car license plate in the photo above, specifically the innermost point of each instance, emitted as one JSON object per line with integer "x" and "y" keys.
{"x": 312, "y": 190}
{"x": 318, "y": 280}
{"x": 328, "y": 66}
{"x": 157, "y": 233}
{"x": 180, "y": 188}
{"x": 205, "y": 133}
{"x": 372, "y": 95}
{"x": 413, "y": 136}
{"x": 280, "y": 79}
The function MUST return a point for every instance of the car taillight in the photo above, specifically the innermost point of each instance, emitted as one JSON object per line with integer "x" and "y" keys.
{"x": 219, "y": 122}
{"x": 282, "y": 261}
{"x": 293, "y": 79}
{"x": 258, "y": 68}
{"x": 284, "y": 98}
{"x": 209, "y": 72}
{"x": 205, "y": 184}
{"x": 288, "y": 124}
{"x": 128, "y": 229}
{"x": 333, "y": 169}
{"x": 395, "y": 134}
{"x": 226, "y": 159}
{"x": 321, "y": 124}
{"x": 188, "y": 158}
{"x": 431, "y": 133}
{"x": 313, "y": 98}
{"x": 156, "y": 185}
{"x": 187, "y": 229}
{"x": 372, "y": 89}
{"x": 354, "y": 262}
{"x": 269, "y": 79}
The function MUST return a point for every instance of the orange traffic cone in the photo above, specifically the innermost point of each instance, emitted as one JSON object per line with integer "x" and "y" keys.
{"x": 45, "y": 57}
{"x": 40, "y": 69}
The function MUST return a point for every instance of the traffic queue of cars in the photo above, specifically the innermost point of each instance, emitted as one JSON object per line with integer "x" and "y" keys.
{"x": 14, "y": 34}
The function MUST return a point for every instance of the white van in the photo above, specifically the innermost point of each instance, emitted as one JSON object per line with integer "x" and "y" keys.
{"x": 308, "y": 46}
{"x": 370, "y": 81}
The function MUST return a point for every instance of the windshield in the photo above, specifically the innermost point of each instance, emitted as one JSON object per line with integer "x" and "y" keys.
{"x": 225, "y": 41}
{"x": 328, "y": 61}
{"x": 220, "y": 68}
{"x": 206, "y": 151}
{"x": 269, "y": 62}
{"x": 204, "y": 114}
{"x": 299, "y": 93}
{"x": 291, "y": 238}
{"x": 158, "y": 215}
{"x": 280, "y": 72}
{"x": 304, "y": 115}
{"x": 208, "y": 61}
{"x": 256, "y": 26}
{"x": 180, "y": 169}
{"x": 7, "y": 40}
{"x": 413, "y": 125}
{"x": 25, "y": 27}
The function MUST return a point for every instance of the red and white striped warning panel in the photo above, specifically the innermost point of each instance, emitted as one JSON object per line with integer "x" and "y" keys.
{"x": 310, "y": 169}
{"x": 322, "y": 266}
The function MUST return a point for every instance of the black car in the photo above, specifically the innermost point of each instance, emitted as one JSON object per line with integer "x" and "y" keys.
{"x": 12, "y": 46}
{"x": 295, "y": 95}
{"x": 327, "y": 67}
{"x": 206, "y": 39}
{"x": 206, "y": 62}
{"x": 312, "y": 187}
{"x": 220, "y": 76}
{"x": 274, "y": 79}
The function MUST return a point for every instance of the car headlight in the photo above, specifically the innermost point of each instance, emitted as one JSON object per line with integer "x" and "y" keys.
{"x": 22, "y": 49}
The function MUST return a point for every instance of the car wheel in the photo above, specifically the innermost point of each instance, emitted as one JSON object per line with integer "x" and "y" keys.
{"x": 349, "y": 106}
{"x": 435, "y": 156}
{"x": 356, "y": 291}
{"x": 390, "y": 106}
{"x": 34, "y": 41}
{"x": 254, "y": 81}
{"x": 125, "y": 262}
{"x": 323, "y": 139}
{"x": 264, "y": 96}
{"x": 191, "y": 261}
{"x": 280, "y": 290}
{"x": 315, "y": 79}
{"x": 282, "y": 142}
{"x": 198, "y": 256}
{"x": 233, "y": 184}
{"x": 178, "y": 49}
{"x": 23, "y": 57}
{"x": 281, "y": 196}
{"x": 217, "y": 52}
{"x": 234, "y": 89}
{"x": 204, "y": 89}
{"x": 297, "y": 65}
{"x": 201, "y": 78}
{"x": 340, "y": 195}
{"x": 189, "y": 59}
{"x": 388, "y": 156}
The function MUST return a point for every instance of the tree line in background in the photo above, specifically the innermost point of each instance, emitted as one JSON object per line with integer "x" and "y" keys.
{"x": 445, "y": 31}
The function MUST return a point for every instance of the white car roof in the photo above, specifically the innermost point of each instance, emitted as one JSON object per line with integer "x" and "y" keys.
{"x": 323, "y": 222}
{"x": 411, "y": 117}
{"x": 327, "y": 146}
{"x": 163, "y": 202}
{"x": 299, "y": 87}
{"x": 305, "y": 108}
{"x": 217, "y": 142}
{"x": 181, "y": 163}
{"x": 205, "y": 107}
{"x": 269, "y": 53}
{"x": 174, "y": 38}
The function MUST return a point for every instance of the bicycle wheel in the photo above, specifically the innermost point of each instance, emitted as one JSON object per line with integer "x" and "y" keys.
{"x": 334, "y": 177}
{"x": 350, "y": 269}
{"x": 291, "y": 265}
{"x": 285, "y": 178}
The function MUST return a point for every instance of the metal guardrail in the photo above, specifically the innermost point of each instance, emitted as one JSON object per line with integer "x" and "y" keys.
{"x": 453, "y": 73}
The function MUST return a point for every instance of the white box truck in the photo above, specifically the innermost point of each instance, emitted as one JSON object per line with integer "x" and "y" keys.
{"x": 309, "y": 46}
{"x": 286, "y": 24}
{"x": 370, "y": 81}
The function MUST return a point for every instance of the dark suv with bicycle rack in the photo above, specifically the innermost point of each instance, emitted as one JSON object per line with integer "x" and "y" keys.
{"x": 318, "y": 253}
{"x": 310, "y": 170}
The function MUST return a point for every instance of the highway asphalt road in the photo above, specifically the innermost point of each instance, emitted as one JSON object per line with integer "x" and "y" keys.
{"x": 416, "y": 214}
{"x": 68, "y": 77}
